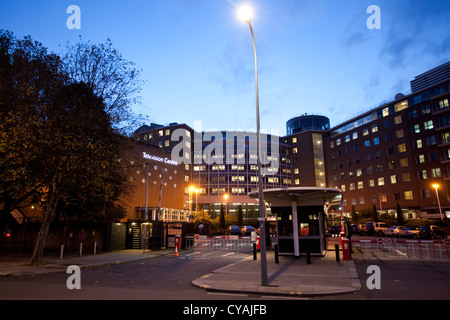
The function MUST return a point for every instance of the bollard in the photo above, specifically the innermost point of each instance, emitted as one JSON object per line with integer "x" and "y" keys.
{"x": 81, "y": 249}
{"x": 95, "y": 247}
{"x": 254, "y": 251}
{"x": 276, "y": 253}
{"x": 336, "y": 248}
{"x": 61, "y": 252}
{"x": 308, "y": 255}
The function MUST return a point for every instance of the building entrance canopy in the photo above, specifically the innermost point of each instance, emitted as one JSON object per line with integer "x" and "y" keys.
{"x": 300, "y": 216}
{"x": 304, "y": 196}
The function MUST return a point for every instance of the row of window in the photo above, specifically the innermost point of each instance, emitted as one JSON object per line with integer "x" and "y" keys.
{"x": 376, "y": 199}
{"x": 405, "y": 177}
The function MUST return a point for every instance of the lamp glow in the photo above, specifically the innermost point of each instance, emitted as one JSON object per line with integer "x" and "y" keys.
{"x": 245, "y": 14}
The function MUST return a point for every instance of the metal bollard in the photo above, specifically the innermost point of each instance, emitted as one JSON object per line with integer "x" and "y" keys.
{"x": 336, "y": 248}
{"x": 81, "y": 249}
{"x": 276, "y": 253}
{"x": 254, "y": 251}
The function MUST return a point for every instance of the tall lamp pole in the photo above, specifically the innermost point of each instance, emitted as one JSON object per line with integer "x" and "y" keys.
{"x": 245, "y": 15}
{"x": 436, "y": 186}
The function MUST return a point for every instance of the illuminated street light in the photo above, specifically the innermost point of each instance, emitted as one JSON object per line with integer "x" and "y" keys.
{"x": 245, "y": 14}
{"x": 436, "y": 186}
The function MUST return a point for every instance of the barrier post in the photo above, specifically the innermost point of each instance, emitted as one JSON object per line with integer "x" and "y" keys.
{"x": 81, "y": 249}
{"x": 346, "y": 249}
{"x": 336, "y": 249}
{"x": 254, "y": 251}
{"x": 276, "y": 253}
{"x": 308, "y": 255}
{"x": 61, "y": 252}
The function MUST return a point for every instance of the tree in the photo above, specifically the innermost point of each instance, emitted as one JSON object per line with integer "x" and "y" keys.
{"x": 400, "y": 219}
{"x": 354, "y": 215}
{"x": 79, "y": 153}
{"x": 59, "y": 135}
{"x": 28, "y": 77}
{"x": 222, "y": 216}
{"x": 112, "y": 78}
{"x": 240, "y": 216}
{"x": 374, "y": 213}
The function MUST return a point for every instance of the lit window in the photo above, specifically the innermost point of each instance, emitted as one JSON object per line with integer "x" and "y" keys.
{"x": 408, "y": 195}
{"x": 428, "y": 125}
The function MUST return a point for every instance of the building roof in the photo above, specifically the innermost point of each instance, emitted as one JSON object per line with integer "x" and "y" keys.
{"x": 283, "y": 197}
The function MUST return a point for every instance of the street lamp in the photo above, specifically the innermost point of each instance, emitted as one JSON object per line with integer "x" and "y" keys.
{"x": 226, "y": 202}
{"x": 245, "y": 14}
{"x": 436, "y": 186}
{"x": 191, "y": 189}
{"x": 196, "y": 190}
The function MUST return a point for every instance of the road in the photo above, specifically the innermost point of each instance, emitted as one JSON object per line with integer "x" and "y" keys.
{"x": 158, "y": 278}
{"x": 170, "y": 278}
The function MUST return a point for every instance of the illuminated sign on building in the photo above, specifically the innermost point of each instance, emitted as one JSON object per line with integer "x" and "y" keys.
{"x": 159, "y": 159}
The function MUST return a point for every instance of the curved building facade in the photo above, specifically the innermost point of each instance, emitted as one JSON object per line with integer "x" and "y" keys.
{"x": 306, "y": 123}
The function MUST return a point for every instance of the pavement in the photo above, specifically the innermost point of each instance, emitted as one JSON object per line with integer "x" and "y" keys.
{"x": 290, "y": 277}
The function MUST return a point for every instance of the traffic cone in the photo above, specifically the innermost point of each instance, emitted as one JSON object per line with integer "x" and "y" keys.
{"x": 176, "y": 251}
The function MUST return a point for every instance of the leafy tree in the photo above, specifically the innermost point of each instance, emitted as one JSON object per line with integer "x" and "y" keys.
{"x": 112, "y": 78}
{"x": 222, "y": 216}
{"x": 59, "y": 129}
{"x": 400, "y": 218}
{"x": 374, "y": 213}
{"x": 240, "y": 216}
{"x": 79, "y": 153}
{"x": 28, "y": 77}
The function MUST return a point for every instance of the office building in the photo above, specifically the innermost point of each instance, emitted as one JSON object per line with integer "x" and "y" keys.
{"x": 395, "y": 153}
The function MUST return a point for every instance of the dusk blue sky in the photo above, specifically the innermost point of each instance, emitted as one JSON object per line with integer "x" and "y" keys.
{"x": 315, "y": 56}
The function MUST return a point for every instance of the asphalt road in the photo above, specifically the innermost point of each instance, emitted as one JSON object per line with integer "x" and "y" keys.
{"x": 170, "y": 278}
{"x": 159, "y": 278}
{"x": 402, "y": 280}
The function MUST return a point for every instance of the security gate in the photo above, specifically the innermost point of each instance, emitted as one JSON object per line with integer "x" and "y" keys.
{"x": 234, "y": 243}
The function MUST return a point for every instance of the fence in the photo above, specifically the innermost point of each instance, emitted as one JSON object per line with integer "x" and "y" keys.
{"x": 234, "y": 243}
{"x": 401, "y": 249}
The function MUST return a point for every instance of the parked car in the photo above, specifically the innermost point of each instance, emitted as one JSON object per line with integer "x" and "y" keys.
{"x": 372, "y": 228}
{"x": 246, "y": 230}
{"x": 357, "y": 229}
{"x": 393, "y": 231}
{"x": 432, "y": 232}
{"x": 334, "y": 230}
{"x": 234, "y": 230}
{"x": 409, "y": 233}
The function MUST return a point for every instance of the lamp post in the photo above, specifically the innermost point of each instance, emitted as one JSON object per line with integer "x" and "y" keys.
{"x": 191, "y": 189}
{"x": 245, "y": 14}
{"x": 436, "y": 186}
{"x": 196, "y": 190}
{"x": 226, "y": 202}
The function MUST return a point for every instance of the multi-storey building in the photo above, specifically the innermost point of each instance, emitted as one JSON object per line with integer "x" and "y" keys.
{"x": 226, "y": 171}
{"x": 398, "y": 152}
{"x": 305, "y": 135}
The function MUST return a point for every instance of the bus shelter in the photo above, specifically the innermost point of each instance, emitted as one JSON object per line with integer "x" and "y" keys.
{"x": 300, "y": 216}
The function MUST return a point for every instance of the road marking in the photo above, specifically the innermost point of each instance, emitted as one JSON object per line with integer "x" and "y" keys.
{"x": 227, "y": 254}
{"x": 191, "y": 254}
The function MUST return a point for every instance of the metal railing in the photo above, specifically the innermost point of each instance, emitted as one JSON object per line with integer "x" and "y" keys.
{"x": 234, "y": 243}
{"x": 401, "y": 249}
